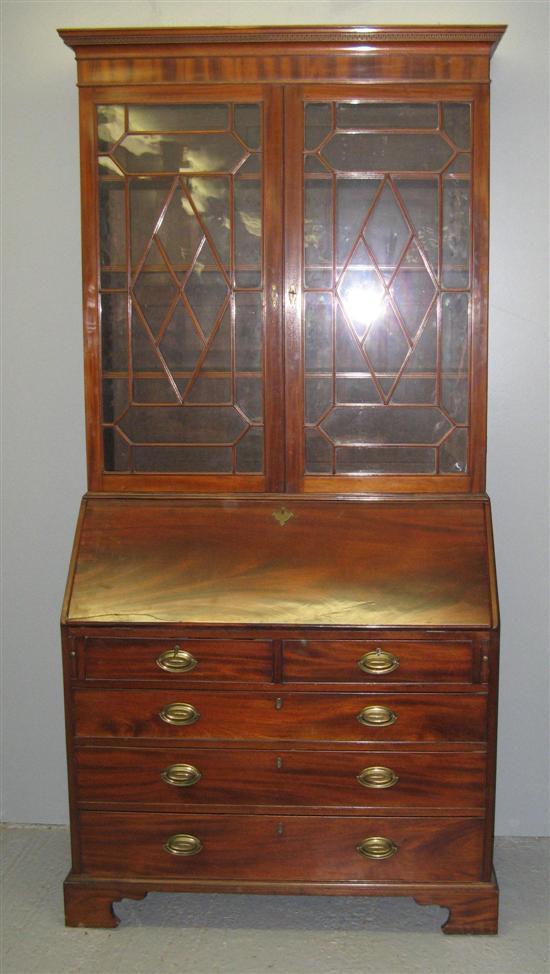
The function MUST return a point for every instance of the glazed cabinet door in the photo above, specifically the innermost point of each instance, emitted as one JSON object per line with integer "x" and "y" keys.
{"x": 181, "y": 204}
{"x": 386, "y": 262}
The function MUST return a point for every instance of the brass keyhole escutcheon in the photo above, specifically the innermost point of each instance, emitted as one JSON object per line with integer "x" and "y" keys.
{"x": 282, "y": 515}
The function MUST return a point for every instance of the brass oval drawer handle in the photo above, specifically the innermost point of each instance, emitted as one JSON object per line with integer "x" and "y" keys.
{"x": 181, "y": 775}
{"x": 377, "y": 847}
{"x": 376, "y": 777}
{"x": 183, "y": 845}
{"x": 376, "y": 716}
{"x": 179, "y": 713}
{"x": 176, "y": 660}
{"x": 378, "y": 662}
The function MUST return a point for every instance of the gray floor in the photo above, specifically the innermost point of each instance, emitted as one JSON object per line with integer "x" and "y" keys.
{"x": 208, "y": 934}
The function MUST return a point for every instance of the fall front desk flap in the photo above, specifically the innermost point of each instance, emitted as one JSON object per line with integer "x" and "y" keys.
{"x": 283, "y": 561}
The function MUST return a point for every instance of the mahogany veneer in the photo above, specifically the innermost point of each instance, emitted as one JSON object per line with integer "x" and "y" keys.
{"x": 280, "y": 629}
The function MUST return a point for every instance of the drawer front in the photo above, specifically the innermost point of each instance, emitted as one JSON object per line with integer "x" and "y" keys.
{"x": 279, "y": 849}
{"x": 195, "y": 776}
{"x": 377, "y": 661}
{"x": 243, "y": 716}
{"x": 238, "y": 660}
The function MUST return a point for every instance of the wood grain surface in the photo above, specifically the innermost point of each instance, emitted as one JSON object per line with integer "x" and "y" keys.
{"x": 334, "y": 563}
{"x": 234, "y": 715}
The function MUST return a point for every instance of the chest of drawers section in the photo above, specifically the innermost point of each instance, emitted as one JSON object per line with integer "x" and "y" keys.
{"x": 282, "y": 762}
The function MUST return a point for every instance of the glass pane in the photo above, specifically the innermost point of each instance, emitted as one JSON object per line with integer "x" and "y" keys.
{"x": 413, "y": 291}
{"x": 250, "y": 452}
{"x": 361, "y": 291}
{"x": 148, "y": 196}
{"x": 251, "y": 166}
{"x": 112, "y": 222}
{"x": 206, "y": 290}
{"x": 144, "y": 354}
{"x": 359, "y": 389}
{"x": 387, "y": 153}
{"x": 249, "y": 396}
{"x": 209, "y": 389}
{"x": 387, "y": 232}
{"x": 386, "y": 424}
{"x": 318, "y": 123}
{"x": 155, "y": 294}
{"x": 349, "y": 357}
{"x": 454, "y": 397}
{"x": 419, "y": 197}
{"x": 115, "y": 450}
{"x": 354, "y": 198}
{"x": 423, "y": 357}
{"x": 462, "y": 164}
{"x": 414, "y": 389}
{"x": 248, "y": 332}
{"x": 180, "y": 344}
{"x": 183, "y": 424}
{"x": 456, "y": 122}
{"x": 314, "y": 164}
{"x": 318, "y": 398}
{"x": 454, "y": 332}
{"x": 110, "y": 125}
{"x": 318, "y": 231}
{"x": 153, "y": 390}
{"x": 370, "y": 115}
{"x": 107, "y": 167}
{"x": 113, "y": 280}
{"x": 114, "y": 332}
{"x": 385, "y": 344}
{"x": 179, "y": 153}
{"x": 388, "y": 460}
{"x": 318, "y": 453}
{"x": 218, "y": 357}
{"x": 318, "y": 332}
{"x": 187, "y": 339}
{"x": 248, "y": 228}
{"x": 453, "y": 453}
{"x": 115, "y": 398}
{"x": 456, "y": 233}
{"x": 247, "y": 124}
{"x": 183, "y": 459}
{"x": 209, "y": 197}
{"x": 174, "y": 118}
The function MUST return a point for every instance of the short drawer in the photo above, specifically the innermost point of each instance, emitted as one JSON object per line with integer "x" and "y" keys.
{"x": 377, "y": 661}
{"x": 280, "y": 848}
{"x": 236, "y": 660}
{"x": 222, "y": 715}
{"x": 193, "y": 776}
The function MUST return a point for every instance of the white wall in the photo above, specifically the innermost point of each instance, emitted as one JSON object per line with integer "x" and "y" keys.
{"x": 43, "y": 437}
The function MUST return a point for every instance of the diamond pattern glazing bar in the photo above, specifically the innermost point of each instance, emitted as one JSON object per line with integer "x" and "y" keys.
{"x": 387, "y": 281}
{"x": 180, "y": 210}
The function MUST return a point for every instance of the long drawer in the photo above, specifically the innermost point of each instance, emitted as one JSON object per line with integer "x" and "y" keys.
{"x": 132, "y": 658}
{"x": 223, "y": 715}
{"x": 377, "y": 661}
{"x": 268, "y": 847}
{"x": 195, "y": 776}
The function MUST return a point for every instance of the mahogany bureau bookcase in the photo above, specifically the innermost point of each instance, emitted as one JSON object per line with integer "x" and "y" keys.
{"x": 280, "y": 631}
